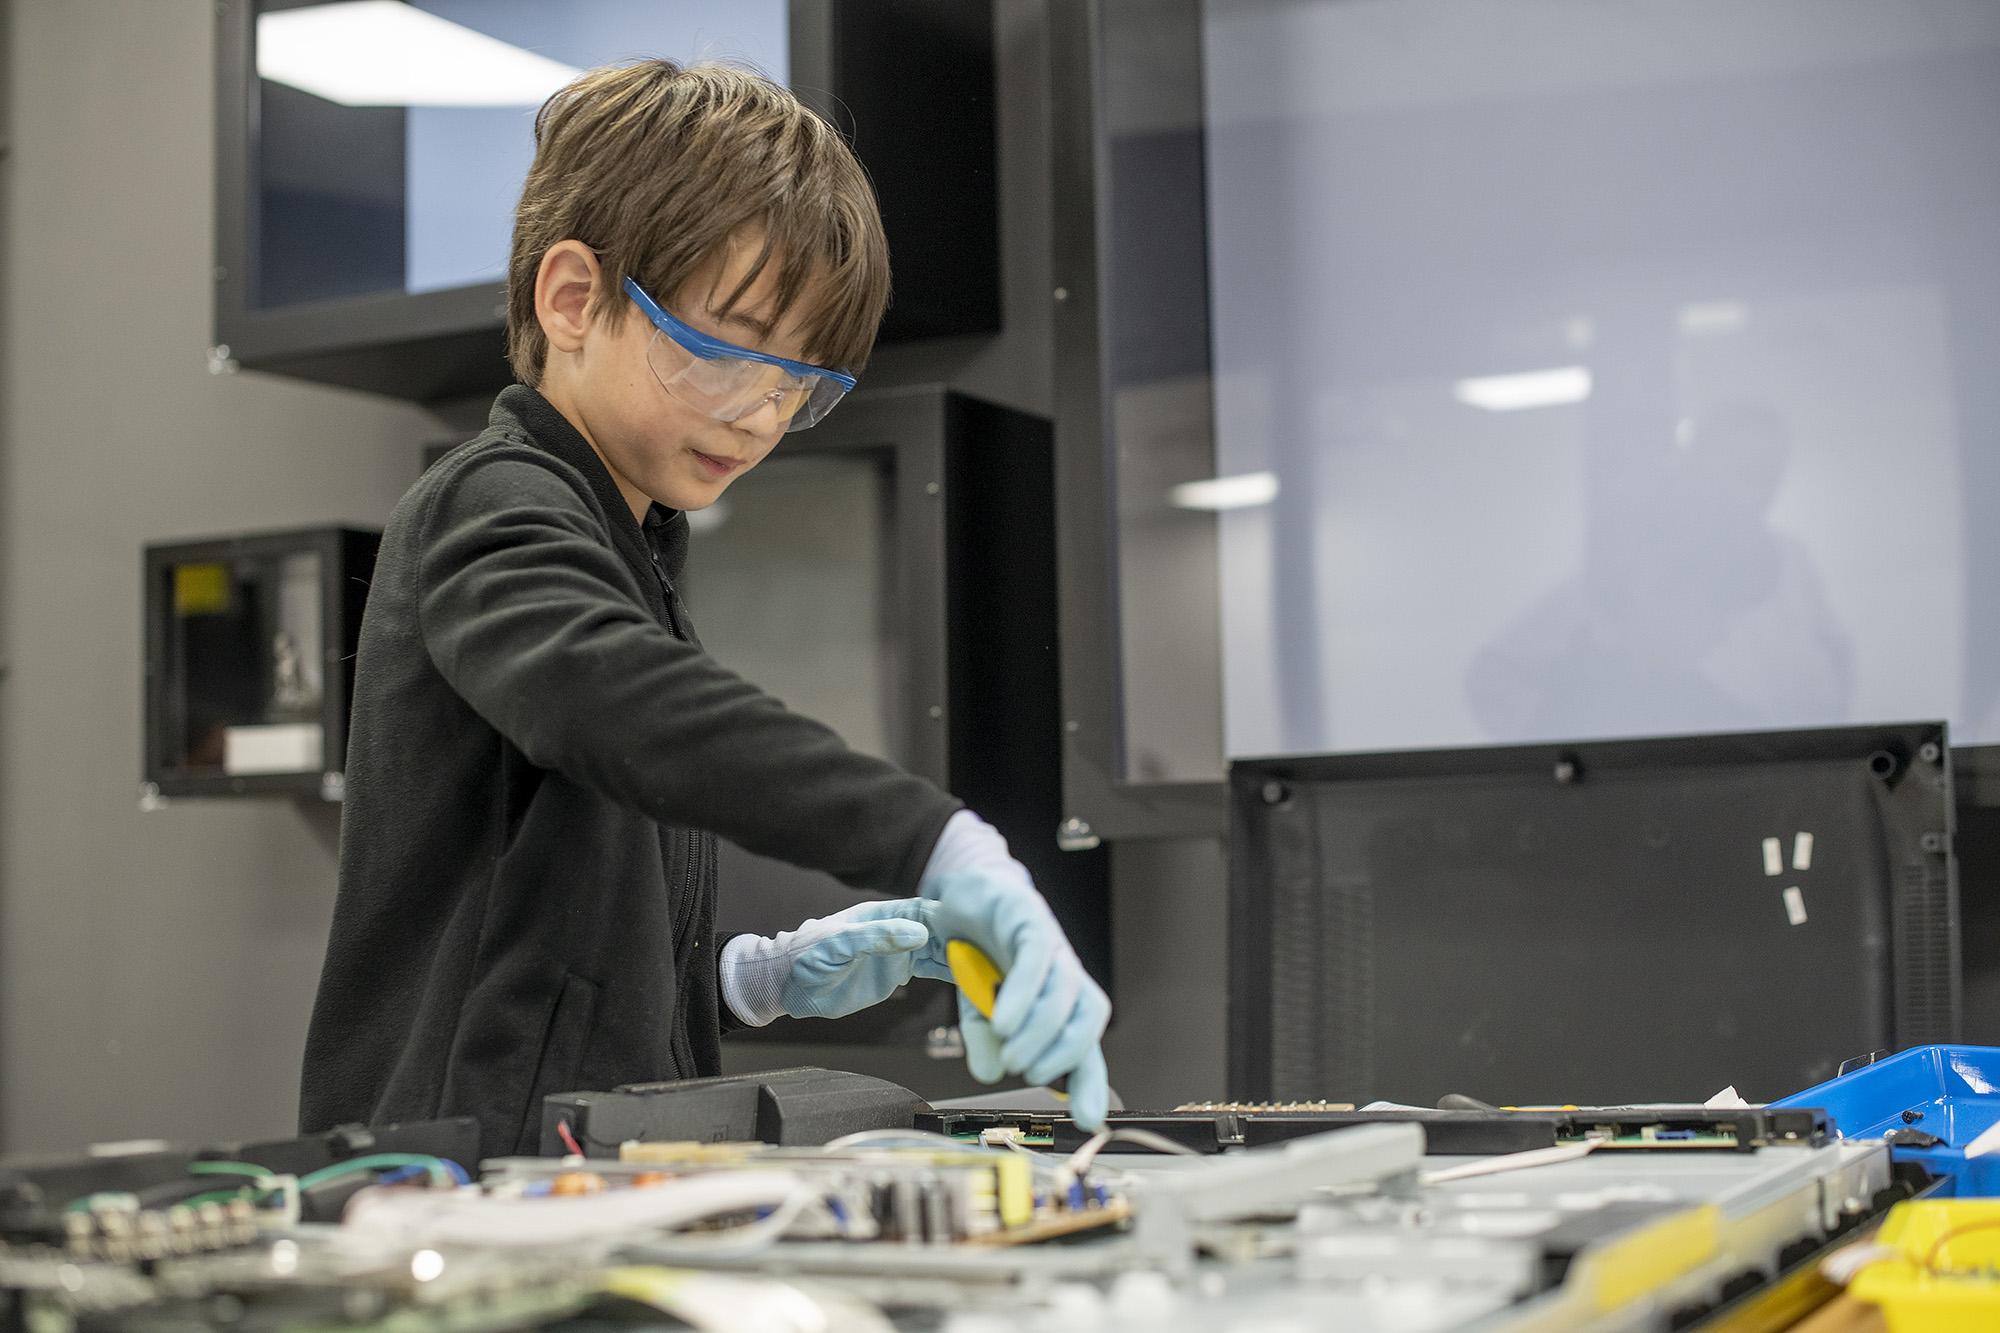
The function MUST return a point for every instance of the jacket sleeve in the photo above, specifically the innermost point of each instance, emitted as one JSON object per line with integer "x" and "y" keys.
{"x": 536, "y": 622}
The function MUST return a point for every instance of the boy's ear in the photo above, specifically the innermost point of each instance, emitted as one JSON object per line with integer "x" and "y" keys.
{"x": 568, "y": 277}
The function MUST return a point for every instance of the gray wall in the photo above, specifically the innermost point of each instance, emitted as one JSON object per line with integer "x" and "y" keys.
{"x": 155, "y": 969}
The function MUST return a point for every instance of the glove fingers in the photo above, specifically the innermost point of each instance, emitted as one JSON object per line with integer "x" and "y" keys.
{"x": 895, "y": 936}
{"x": 906, "y": 909}
{"x": 934, "y": 969}
{"x": 1046, "y": 1020}
{"x": 982, "y": 1044}
{"x": 864, "y": 940}
{"x": 1027, "y": 976}
{"x": 1078, "y": 1038}
{"x": 1090, "y": 1091}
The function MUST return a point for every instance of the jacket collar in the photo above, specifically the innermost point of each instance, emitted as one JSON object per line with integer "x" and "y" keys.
{"x": 666, "y": 530}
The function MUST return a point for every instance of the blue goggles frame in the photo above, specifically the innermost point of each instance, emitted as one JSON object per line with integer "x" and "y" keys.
{"x": 697, "y": 343}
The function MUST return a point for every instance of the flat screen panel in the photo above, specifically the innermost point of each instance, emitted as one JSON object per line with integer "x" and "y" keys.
{"x": 417, "y": 194}
{"x": 1584, "y": 370}
{"x": 790, "y": 579}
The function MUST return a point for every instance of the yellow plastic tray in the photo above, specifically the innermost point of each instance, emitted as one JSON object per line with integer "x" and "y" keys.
{"x": 1947, "y": 1279}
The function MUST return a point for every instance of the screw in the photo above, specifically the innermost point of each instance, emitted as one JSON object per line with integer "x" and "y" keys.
{"x": 930, "y": 488}
{"x": 1932, "y": 842}
{"x": 1062, "y": 293}
{"x": 1074, "y": 835}
{"x": 1566, "y": 770}
{"x": 1928, "y": 752}
{"x": 1274, "y": 793}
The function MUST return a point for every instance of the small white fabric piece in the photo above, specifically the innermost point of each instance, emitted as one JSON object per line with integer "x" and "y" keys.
{"x": 753, "y": 968}
{"x": 1987, "y": 1142}
{"x": 967, "y": 843}
{"x": 1729, "y": 1099}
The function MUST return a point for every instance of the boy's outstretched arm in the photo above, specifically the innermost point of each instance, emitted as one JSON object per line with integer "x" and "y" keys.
{"x": 538, "y": 625}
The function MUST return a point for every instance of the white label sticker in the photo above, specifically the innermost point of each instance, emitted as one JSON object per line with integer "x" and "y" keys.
{"x": 1774, "y": 857}
{"x": 1802, "y": 852}
{"x": 286, "y": 747}
{"x": 1795, "y": 906}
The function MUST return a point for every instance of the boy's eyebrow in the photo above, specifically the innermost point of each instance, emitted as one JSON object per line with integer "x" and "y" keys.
{"x": 761, "y": 327}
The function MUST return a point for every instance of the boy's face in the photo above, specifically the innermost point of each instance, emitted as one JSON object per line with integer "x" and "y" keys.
{"x": 655, "y": 446}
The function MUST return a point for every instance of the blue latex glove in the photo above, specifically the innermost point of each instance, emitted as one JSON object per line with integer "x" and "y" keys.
{"x": 832, "y": 966}
{"x": 1049, "y": 1014}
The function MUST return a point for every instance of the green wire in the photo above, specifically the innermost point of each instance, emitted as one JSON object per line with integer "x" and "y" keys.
{"x": 381, "y": 1161}
{"x": 230, "y": 1169}
{"x": 214, "y": 1196}
{"x": 440, "y": 1175}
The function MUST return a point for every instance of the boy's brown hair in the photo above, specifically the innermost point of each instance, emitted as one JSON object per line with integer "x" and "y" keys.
{"x": 656, "y": 167}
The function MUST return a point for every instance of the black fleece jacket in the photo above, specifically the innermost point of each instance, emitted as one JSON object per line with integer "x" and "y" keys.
{"x": 540, "y": 756}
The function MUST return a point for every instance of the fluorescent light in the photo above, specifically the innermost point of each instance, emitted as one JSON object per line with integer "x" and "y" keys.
{"x": 1239, "y": 492}
{"x": 1713, "y": 317}
{"x": 386, "y": 53}
{"x": 1534, "y": 388}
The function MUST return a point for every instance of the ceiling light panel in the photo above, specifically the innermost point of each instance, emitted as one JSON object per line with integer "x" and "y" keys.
{"x": 1218, "y": 493}
{"x": 386, "y": 53}
{"x": 1534, "y": 388}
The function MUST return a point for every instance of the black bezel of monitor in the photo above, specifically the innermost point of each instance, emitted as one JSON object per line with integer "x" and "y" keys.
{"x": 928, "y": 138}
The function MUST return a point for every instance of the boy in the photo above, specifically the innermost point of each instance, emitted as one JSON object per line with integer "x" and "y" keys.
{"x": 541, "y": 754}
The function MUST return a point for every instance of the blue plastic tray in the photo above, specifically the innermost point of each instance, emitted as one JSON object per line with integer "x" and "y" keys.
{"x": 1957, "y": 1088}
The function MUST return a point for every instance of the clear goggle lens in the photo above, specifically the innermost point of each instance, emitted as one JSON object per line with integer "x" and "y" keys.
{"x": 730, "y": 389}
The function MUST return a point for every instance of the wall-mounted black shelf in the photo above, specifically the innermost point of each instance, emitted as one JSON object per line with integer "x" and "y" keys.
{"x": 250, "y": 644}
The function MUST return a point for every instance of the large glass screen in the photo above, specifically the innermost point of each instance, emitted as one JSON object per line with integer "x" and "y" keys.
{"x": 394, "y": 137}
{"x": 1596, "y": 369}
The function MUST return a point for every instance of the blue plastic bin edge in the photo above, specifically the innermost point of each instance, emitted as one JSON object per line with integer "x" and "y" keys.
{"x": 1954, "y": 1089}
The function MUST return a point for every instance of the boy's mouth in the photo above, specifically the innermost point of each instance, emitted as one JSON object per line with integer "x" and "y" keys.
{"x": 716, "y": 467}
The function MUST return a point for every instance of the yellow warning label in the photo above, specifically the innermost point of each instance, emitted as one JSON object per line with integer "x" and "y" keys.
{"x": 1633, "y": 1265}
{"x": 201, "y": 590}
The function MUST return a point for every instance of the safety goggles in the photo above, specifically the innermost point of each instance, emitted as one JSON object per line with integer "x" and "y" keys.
{"x": 727, "y": 382}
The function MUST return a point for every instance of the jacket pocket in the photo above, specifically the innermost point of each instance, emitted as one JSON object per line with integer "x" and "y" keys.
{"x": 563, "y": 1044}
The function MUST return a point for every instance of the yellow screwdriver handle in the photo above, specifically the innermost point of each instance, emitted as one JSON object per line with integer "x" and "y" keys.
{"x": 979, "y": 977}
{"x": 974, "y": 972}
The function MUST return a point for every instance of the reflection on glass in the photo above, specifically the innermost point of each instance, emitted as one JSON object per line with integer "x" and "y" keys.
{"x": 1615, "y": 366}
{"x": 788, "y": 580}
{"x": 413, "y": 186}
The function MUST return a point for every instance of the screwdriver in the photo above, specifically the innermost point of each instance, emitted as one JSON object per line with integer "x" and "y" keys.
{"x": 979, "y": 978}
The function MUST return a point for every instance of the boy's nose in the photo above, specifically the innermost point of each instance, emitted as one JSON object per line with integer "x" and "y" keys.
{"x": 762, "y": 420}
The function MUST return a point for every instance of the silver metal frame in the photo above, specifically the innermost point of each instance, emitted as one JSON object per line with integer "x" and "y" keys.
{"x": 910, "y": 422}
{"x": 1099, "y": 801}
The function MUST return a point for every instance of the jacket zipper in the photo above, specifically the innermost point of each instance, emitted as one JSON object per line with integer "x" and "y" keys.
{"x": 690, "y": 855}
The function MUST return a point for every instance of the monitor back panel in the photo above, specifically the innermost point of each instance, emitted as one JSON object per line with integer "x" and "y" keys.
{"x": 1595, "y": 924}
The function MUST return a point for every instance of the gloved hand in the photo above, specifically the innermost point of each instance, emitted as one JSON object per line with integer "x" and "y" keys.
{"x": 831, "y": 966}
{"x": 1049, "y": 1014}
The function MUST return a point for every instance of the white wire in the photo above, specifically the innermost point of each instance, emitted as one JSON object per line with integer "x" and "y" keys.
{"x": 1080, "y": 1160}
{"x": 1518, "y": 1161}
{"x": 735, "y": 1243}
{"x": 429, "y": 1217}
{"x": 914, "y": 1138}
